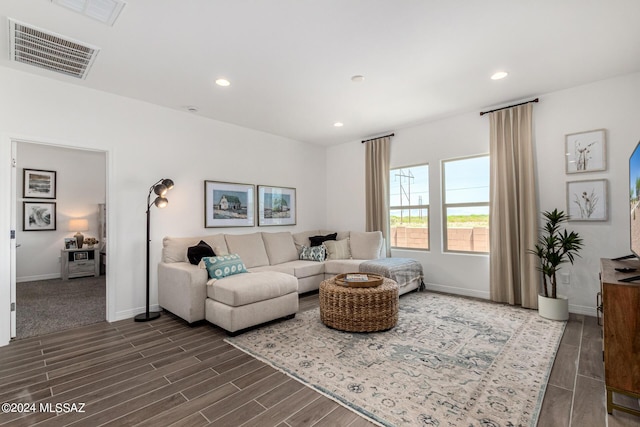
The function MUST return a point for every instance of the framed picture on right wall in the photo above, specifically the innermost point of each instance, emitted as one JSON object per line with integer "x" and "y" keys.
{"x": 586, "y": 151}
{"x": 587, "y": 200}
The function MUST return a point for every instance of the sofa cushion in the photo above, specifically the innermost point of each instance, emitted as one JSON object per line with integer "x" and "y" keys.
{"x": 365, "y": 245}
{"x": 280, "y": 247}
{"x": 299, "y": 268}
{"x": 223, "y": 266}
{"x": 314, "y": 253}
{"x": 302, "y": 238}
{"x": 250, "y": 247}
{"x": 338, "y": 249}
{"x": 342, "y": 266}
{"x": 217, "y": 243}
{"x": 243, "y": 289}
{"x": 318, "y": 240}
{"x": 174, "y": 249}
{"x": 199, "y": 251}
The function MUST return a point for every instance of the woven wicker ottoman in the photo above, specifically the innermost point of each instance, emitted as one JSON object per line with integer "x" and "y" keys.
{"x": 359, "y": 309}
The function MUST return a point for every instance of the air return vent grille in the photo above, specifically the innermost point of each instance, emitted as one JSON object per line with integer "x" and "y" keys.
{"x": 37, "y": 47}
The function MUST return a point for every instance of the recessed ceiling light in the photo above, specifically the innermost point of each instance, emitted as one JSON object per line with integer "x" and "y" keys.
{"x": 223, "y": 82}
{"x": 191, "y": 108}
{"x": 357, "y": 78}
{"x": 499, "y": 75}
{"x": 338, "y": 124}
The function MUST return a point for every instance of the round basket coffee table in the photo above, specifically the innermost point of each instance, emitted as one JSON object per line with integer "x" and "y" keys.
{"x": 357, "y": 308}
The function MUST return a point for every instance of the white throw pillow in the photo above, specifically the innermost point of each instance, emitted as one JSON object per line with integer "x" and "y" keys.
{"x": 365, "y": 245}
{"x": 338, "y": 249}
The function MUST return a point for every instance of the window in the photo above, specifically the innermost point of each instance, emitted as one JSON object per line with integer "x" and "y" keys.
{"x": 409, "y": 207}
{"x": 465, "y": 184}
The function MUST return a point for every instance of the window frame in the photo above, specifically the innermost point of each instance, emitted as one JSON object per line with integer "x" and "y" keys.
{"x": 445, "y": 205}
{"x": 423, "y": 206}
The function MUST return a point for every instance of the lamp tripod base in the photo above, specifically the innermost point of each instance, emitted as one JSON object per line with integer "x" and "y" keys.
{"x": 145, "y": 317}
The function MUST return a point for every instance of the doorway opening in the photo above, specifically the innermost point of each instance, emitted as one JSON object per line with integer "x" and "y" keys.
{"x": 59, "y": 207}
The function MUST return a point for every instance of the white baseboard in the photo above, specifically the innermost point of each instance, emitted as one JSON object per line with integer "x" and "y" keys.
{"x": 581, "y": 309}
{"x": 130, "y": 314}
{"x": 39, "y": 277}
{"x": 457, "y": 291}
{"x": 573, "y": 308}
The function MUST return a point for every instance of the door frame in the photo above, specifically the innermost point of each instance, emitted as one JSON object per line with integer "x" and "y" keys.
{"x": 13, "y": 191}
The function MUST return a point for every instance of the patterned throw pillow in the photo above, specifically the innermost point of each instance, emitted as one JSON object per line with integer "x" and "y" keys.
{"x": 223, "y": 266}
{"x": 314, "y": 253}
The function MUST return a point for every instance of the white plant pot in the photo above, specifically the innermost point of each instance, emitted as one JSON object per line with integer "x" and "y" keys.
{"x": 553, "y": 308}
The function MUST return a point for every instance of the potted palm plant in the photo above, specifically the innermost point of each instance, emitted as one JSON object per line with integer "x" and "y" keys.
{"x": 555, "y": 247}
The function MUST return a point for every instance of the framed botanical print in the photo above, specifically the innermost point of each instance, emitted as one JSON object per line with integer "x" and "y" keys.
{"x": 39, "y": 184}
{"x": 38, "y": 216}
{"x": 276, "y": 205}
{"x": 228, "y": 204}
{"x": 587, "y": 200}
{"x": 585, "y": 151}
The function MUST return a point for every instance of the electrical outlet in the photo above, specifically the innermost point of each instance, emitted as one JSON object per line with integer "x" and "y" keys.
{"x": 565, "y": 278}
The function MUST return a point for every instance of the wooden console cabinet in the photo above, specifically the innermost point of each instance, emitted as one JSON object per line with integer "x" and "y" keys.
{"x": 79, "y": 263}
{"x": 621, "y": 338}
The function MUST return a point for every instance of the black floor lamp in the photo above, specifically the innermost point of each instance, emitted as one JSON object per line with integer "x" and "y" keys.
{"x": 160, "y": 188}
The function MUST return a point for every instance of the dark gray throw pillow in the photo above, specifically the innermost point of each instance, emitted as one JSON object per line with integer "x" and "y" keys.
{"x": 199, "y": 251}
{"x": 317, "y": 240}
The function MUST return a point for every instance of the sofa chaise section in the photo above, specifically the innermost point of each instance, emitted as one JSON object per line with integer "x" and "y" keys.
{"x": 240, "y": 301}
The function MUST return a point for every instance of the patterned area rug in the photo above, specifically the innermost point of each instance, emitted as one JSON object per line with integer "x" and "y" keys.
{"x": 449, "y": 362}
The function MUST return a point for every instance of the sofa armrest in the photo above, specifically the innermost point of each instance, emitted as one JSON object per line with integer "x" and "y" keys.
{"x": 182, "y": 289}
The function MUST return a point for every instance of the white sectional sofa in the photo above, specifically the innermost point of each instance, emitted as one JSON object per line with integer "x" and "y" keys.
{"x": 275, "y": 275}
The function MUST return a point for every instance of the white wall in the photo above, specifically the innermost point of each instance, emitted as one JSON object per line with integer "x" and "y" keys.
{"x": 80, "y": 186}
{"x": 613, "y": 105}
{"x": 144, "y": 143}
{"x": 430, "y": 143}
{"x": 610, "y": 104}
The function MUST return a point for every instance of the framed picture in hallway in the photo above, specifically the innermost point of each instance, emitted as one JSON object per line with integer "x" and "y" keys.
{"x": 228, "y": 204}
{"x": 39, "y": 184}
{"x": 38, "y": 216}
{"x": 585, "y": 151}
{"x": 276, "y": 206}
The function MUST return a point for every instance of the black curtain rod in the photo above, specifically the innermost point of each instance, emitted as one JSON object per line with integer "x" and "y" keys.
{"x": 383, "y": 136}
{"x": 482, "y": 113}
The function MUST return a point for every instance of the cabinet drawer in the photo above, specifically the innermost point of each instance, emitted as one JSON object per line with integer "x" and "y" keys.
{"x": 82, "y": 267}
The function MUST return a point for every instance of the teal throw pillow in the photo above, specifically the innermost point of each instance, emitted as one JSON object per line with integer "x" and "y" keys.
{"x": 314, "y": 253}
{"x": 223, "y": 266}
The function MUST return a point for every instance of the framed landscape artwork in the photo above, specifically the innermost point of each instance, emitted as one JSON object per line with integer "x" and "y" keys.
{"x": 276, "y": 206}
{"x": 227, "y": 204}
{"x": 39, "y": 184}
{"x": 39, "y": 216}
{"x": 587, "y": 200}
{"x": 585, "y": 151}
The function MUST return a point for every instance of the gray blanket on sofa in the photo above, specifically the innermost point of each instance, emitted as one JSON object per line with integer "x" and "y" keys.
{"x": 401, "y": 270}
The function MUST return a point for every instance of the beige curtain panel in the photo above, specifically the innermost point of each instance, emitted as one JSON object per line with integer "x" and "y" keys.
{"x": 377, "y": 187}
{"x": 513, "y": 209}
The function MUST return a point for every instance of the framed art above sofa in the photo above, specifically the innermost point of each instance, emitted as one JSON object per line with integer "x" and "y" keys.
{"x": 276, "y": 206}
{"x": 228, "y": 204}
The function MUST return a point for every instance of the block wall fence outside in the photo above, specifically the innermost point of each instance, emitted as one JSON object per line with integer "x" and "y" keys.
{"x": 474, "y": 239}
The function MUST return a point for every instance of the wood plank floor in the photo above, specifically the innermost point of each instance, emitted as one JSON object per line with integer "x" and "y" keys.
{"x": 168, "y": 373}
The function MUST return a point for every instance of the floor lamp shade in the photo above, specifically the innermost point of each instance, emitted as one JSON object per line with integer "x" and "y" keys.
{"x": 160, "y": 188}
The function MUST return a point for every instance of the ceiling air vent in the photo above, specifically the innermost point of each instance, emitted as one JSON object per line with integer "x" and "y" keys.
{"x": 37, "y": 47}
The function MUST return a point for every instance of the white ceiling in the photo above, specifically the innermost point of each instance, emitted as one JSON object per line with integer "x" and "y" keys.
{"x": 290, "y": 61}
